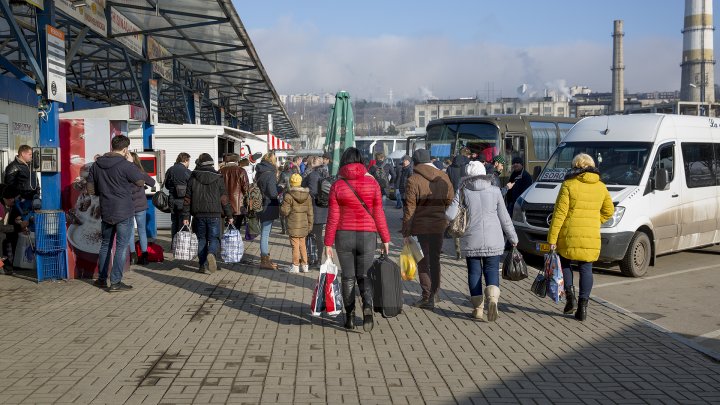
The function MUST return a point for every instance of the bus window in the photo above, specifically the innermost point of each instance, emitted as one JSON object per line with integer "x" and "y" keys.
{"x": 480, "y": 138}
{"x": 544, "y": 137}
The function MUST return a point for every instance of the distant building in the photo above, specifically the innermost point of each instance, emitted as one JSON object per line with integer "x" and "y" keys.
{"x": 433, "y": 109}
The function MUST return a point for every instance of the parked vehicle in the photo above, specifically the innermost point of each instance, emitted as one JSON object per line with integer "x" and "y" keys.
{"x": 533, "y": 138}
{"x": 663, "y": 174}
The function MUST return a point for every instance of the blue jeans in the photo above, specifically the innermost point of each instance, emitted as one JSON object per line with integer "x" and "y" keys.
{"x": 265, "y": 237}
{"x": 140, "y": 219}
{"x": 398, "y": 199}
{"x": 121, "y": 233}
{"x": 479, "y": 266}
{"x": 208, "y": 234}
{"x": 586, "y": 277}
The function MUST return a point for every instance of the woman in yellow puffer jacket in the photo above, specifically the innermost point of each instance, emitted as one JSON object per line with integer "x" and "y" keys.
{"x": 582, "y": 205}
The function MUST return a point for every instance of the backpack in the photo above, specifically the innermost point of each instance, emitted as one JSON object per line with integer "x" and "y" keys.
{"x": 161, "y": 201}
{"x": 254, "y": 199}
{"x": 382, "y": 177}
{"x": 322, "y": 199}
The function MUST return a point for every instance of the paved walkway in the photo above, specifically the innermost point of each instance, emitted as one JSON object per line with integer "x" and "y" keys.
{"x": 245, "y": 335}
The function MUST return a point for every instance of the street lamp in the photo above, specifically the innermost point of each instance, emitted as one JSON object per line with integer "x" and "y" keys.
{"x": 701, "y": 107}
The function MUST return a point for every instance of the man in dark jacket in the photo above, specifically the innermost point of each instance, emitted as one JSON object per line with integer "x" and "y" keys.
{"x": 207, "y": 201}
{"x": 383, "y": 172}
{"x": 113, "y": 179}
{"x": 404, "y": 171}
{"x": 456, "y": 171}
{"x": 429, "y": 193}
{"x": 9, "y": 228}
{"x": 19, "y": 177}
{"x": 520, "y": 180}
{"x": 176, "y": 179}
{"x": 315, "y": 172}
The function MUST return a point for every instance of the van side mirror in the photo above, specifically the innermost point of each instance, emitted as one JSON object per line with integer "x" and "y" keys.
{"x": 660, "y": 181}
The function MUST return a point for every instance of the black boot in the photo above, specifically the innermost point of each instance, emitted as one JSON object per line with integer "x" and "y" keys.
{"x": 571, "y": 300}
{"x": 143, "y": 259}
{"x": 581, "y": 313}
{"x": 368, "y": 322}
{"x": 348, "y": 293}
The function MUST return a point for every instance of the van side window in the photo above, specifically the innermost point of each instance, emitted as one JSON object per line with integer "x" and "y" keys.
{"x": 699, "y": 164}
{"x": 665, "y": 159}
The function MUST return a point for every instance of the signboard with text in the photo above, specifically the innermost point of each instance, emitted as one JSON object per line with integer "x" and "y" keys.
{"x": 121, "y": 25}
{"x": 55, "y": 64}
{"x": 92, "y": 15}
{"x": 164, "y": 68}
{"x": 153, "y": 101}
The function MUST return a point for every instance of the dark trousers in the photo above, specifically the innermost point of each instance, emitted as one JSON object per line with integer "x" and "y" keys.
{"x": 176, "y": 219}
{"x": 356, "y": 253}
{"x": 586, "y": 277}
{"x": 208, "y": 234}
{"x": 317, "y": 230}
{"x": 429, "y": 266}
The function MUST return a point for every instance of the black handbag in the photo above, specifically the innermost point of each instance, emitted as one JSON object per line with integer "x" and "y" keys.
{"x": 514, "y": 267}
{"x": 161, "y": 201}
{"x": 539, "y": 286}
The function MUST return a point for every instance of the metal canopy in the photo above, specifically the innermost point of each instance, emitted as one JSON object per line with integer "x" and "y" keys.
{"x": 209, "y": 52}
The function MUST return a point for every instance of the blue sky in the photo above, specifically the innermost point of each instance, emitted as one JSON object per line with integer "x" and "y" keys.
{"x": 462, "y": 48}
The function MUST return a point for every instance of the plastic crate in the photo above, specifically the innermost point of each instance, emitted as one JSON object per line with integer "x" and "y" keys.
{"x": 50, "y": 232}
{"x": 51, "y": 266}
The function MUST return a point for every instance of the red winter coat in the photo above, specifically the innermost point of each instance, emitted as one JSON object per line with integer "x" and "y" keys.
{"x": 345, "y": 213}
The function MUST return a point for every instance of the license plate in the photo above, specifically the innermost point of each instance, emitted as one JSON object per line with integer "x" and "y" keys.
{"x": 542, "y": 247}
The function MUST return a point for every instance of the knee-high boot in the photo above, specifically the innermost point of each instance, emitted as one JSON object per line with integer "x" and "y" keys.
{"x": 366, "y": 289}
{"x": 571, "y": 300}
{"x": 348, "y": 293}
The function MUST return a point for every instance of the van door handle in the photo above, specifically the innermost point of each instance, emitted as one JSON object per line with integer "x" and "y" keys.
{"x": 674, "y": 195}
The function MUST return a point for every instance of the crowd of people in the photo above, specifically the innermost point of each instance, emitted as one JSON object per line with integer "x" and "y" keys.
{"x": 322, "y": 214}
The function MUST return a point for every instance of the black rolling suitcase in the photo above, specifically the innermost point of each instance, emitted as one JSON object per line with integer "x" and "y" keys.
{"x": 387, "y": 286}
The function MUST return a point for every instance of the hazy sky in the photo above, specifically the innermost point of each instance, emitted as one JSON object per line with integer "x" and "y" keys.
{"x": 462, "y": 48}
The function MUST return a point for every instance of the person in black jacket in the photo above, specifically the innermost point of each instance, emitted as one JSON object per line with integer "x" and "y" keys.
{"x": 113, "y": 179}
{"x": 19, "y": 177}
{"x": 266, "y": 179}
{"x": 207, "y": 200}
{"x": 176, "y": 179}
{"x": 387, "y": 168}
{"x": 9, "y": 228}
{"x": 405, "y": 170}
{"x": 315, "y": 172}
{"x": 519, "y": 181}
{"x": 456, "y": 171}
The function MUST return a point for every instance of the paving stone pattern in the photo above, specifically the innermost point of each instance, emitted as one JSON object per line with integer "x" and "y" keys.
{"x": 245, "y": 336}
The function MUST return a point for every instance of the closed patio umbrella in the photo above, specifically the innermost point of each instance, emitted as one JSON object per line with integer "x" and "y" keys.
{"x": 341, "y": 132}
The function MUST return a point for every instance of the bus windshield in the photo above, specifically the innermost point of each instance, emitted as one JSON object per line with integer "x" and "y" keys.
{"x": 481, "y": 138}
{"x": 620, "y": 163}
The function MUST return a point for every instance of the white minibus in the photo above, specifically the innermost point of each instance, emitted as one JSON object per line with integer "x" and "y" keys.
{"x": 663, "y": 174}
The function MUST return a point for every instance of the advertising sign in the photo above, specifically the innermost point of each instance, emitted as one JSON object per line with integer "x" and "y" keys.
{"x": 153, "y": 101}
{"x": 55, "y": 64}
{"x": 164, "y": 68}
{"x": 92, "y": 15}
{"x": 121, "y": 25}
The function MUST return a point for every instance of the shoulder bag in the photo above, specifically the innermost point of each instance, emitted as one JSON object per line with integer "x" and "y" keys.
{"x": 457, "y": 226}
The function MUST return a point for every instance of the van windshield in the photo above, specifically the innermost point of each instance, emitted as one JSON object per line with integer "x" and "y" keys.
{"x": 620, "y": 163}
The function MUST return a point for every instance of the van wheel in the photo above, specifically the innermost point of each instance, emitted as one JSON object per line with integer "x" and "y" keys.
{"x": 637, "y": 258}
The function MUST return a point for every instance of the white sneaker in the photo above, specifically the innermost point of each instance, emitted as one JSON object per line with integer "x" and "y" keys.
{"x": 304, "y": 268}
{"x": 293, "y": 269}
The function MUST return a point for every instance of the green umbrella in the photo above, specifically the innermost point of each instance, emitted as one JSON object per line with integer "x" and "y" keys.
{"x": 341, "y": 132}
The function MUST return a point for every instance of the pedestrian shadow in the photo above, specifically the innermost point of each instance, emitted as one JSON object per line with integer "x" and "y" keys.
{"x": 269, "y": 308}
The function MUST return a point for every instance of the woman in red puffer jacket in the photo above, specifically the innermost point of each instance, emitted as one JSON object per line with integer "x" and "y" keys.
{"x": 355, "y": 218}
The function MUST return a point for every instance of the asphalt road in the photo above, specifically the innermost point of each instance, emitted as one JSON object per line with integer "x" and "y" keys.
{"x": 681, "y": 294}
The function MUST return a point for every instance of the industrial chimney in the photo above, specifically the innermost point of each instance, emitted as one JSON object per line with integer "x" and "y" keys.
{"x": 697, "y": 80}
{"x": 618, "y": 70}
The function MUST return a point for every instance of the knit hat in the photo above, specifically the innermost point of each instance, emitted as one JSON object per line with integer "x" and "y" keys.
{"x": 475, "y": 168}
{"x": 517, "y": 160}
{"x": 499, "y": 159}
{"x": 408, "y": 158}
{"x": 295, "y": 180}
{"x": 421, "y": 156}
{"x": 204, "y": 160}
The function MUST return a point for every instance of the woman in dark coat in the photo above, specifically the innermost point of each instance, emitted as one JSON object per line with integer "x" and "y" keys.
{"x": 316, "y": 171}
{"x": 266, "y": 178}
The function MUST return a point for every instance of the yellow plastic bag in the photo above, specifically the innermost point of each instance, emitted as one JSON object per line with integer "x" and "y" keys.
{"x": 408, "y": 266}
